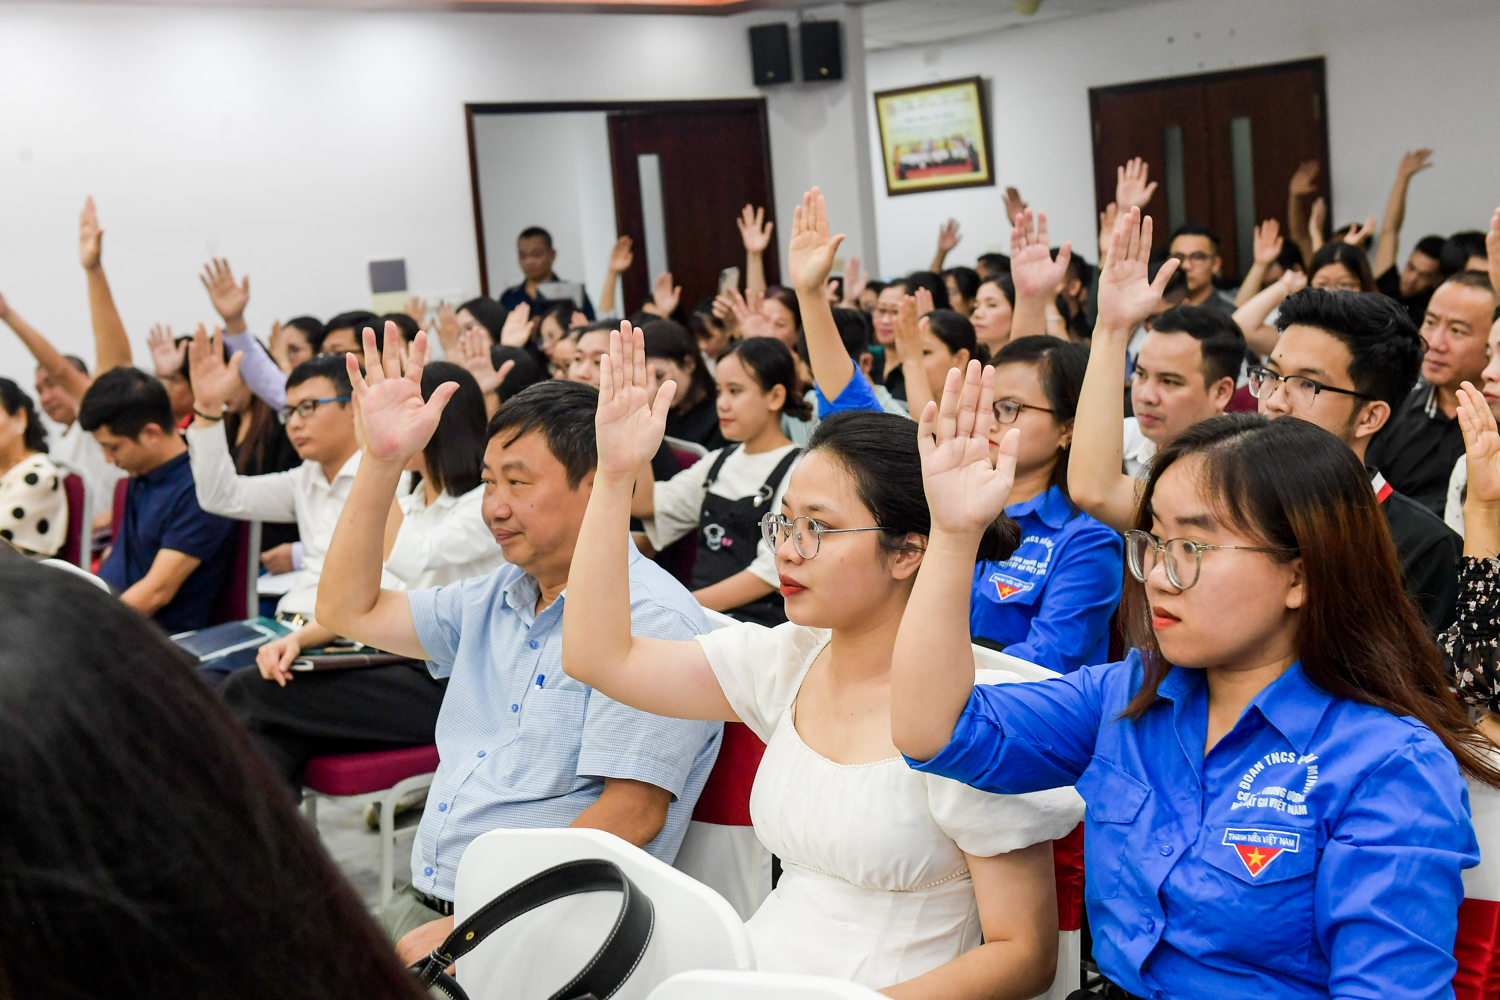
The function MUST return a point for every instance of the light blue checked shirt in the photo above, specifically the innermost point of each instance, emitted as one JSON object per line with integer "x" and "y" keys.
{"x": 524, "y": 745}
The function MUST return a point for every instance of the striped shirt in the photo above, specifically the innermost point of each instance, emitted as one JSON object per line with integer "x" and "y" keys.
{"x": 522, "y": 744}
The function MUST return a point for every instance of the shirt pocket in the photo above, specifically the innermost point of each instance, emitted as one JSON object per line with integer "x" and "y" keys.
{"x": 1113, "y": 801}
{"x": 548, "y": 741}
{"x": 1001, "y": 583}
{"x": 1262, "y": 877}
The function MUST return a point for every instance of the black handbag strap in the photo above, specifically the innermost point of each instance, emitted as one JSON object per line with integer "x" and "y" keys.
{"x": 609, "y": 967}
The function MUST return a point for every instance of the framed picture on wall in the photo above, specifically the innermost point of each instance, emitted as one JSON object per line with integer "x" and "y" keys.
{"x": 934, "y": 136}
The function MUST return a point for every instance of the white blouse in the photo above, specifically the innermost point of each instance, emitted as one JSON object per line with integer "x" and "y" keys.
{"x": 34, "y": 506}
{"x": 444, "y": 541}
{"x": 875, "y": 887}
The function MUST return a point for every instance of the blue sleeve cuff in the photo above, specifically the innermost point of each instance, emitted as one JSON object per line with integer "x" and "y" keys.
{"x": 857, "y": 395}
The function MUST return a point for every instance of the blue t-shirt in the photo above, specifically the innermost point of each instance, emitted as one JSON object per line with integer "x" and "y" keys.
{"x": 162, "y": 512}
{"x": 1316, "y": 851}
{"x": 859, "y": 394}
{"x": 1051, "y": 601}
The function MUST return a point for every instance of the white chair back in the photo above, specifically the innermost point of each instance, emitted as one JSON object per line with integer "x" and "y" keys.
{"x": 537, "y": 953}
{"x": 710, "y": 985}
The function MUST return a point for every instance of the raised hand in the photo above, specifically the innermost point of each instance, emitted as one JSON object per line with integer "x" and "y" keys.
{"x": 516, "y": 330}
{"x": 416, "y": 308}
{"x": 90, "y": 236}
{"x": 908, "y": 332}
{"x": 166, "y": 354}
{"x": 229, "y": 299}
{"x": 948, "y": 236}
{"x": 1317, "y": 221}
{"x": 1268, "y": 242}
{"x": 811, "y": 251}
{"x": 855, "y": 280}
{"x": 1293, "y": 281}
{"x": 1414, "y": 162}
{"x": 620, "y": 255}
{"x": 397, "y": 424}
{"x": 277, "y": 347}
{"x": 447, "y": 327}
{"x": 1106, "y": 226}
{"x": 1126, "y": 296}
{"x": 474, "y": 354}
{"x": 755, "y": 231}
{"x": 747, "y": 314}
{"x": 1032, "y": 268}
{"x": 1481, "y": 446}
{"x": 1014, "y": 205}
{"x": 1359, "y": 235}
{"x": 1131, "y": 189}
{"x": 664, "y": 294}
{"x": 1305, "y": 179}
{"x": 214, "y": 382}
{"x": 965, "y": 491}
{"x": 631, "y": 418}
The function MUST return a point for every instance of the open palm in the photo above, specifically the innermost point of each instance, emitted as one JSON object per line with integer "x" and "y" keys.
{"x": 629, "y": 424}
{"x": 1126, "y": 296}
{"x": 1032, "y": 268}
{"x": 229, "y": 299}
{"x": 965, "y": 492}
{"x": 1481, "y": 445}
{"x": 755, "y": 231}
{"x": 811, "y": 251}
{"x": 397, "y": 423}
{"x": 214, "y": 381}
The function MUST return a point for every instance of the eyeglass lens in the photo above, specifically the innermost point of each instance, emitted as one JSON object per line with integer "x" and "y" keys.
{"x": 1299, "y": 391}
{"x": 1140, "y": 553}
{"x": 806, "y": 539}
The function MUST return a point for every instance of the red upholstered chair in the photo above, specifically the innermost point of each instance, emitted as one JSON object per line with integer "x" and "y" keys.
{"x": 679, "y": 557}
{"x": 237, "y": 598}
{"x": 1477, "y": 946}
{"x": 75, "y": 547}
{"x": 118, "y": 514}
{"x": 383, "y": 776}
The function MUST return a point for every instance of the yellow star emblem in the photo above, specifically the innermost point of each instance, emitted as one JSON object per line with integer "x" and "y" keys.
{"x": 1256, "y": 858}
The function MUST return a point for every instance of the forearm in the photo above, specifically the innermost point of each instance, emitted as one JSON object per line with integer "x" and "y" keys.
{"x": 938, "y": 259}
{"x": 222, "y": 490}
{"x": 312, "y": 635}
{"x": 755, "y": 273}
{"x": 596, "y": 621}
{"x": 997, "y": 970}
{"x": 1481, "y": 530}
{"x": 643, "y": 500}
{"x": 1251, "y": 318}
{"x": 354, "y": 556}
{"x": 393, "y": 521}
{"x": 1098, "y": 454}
{"x": 932, "y": 665}
{"x": 607, "y": 293}
{"x": 1296, "y": 225}
{"x": 733, "y": 591}
{"x": 634, "y": 811}
{"x": 111, "y": 344}
{"x": 1030, "y": 316}
{"x": 1390, "y": 228}
{"x": 1251, "y": 284}
{"x": 74, "y": 382}
{"x": 825, "y": 350}
{"x": 918, "y": 388}
{"x": 258, "y": 369}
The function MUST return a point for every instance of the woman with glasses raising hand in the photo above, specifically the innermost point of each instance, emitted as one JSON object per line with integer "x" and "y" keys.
{"x": 1051, "y": 601}
{"x": 1275, "y": 776}
{"x": 915, "y": 885}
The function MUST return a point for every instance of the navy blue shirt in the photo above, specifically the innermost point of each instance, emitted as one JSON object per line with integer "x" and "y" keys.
{"x": 1315, "y": 851}
{"x": 162, "y": 512}
{"x": 516, "y": 294}
{"x": 1051, "y": 601}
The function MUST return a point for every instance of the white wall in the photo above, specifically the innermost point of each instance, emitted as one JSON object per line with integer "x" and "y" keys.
{"x": 302, "y": 144}
{"x": 1400, "y": 74}
{"x": 550, "y": 170}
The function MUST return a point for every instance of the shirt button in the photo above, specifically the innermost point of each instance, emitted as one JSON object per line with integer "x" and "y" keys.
{"x": 533, "y": 644}
{"x": 426, "y": 871}
{"x": 442, "y": 807}
{"x": 515, "y": 708}
{"x": 1166, "y": 850}
{"x": 481, "y": 753}
{"x": 1150, "y": 925}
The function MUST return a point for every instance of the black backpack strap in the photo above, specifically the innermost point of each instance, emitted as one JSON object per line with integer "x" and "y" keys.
{"x": 611, "y": 965}
{"x": 713, "y": 470}
{"x": 768, "y": 488}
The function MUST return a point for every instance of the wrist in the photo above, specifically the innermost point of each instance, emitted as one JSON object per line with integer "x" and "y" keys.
{"x": 234, "y": 324}
{"x": 957, "y": 542}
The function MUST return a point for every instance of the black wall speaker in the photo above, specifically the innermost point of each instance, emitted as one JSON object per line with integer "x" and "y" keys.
{"x": 771, "y": 54}
{"x": 822, "y": 54}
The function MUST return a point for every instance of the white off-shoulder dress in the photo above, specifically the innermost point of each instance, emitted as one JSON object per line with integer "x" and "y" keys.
{"x": 874, "y": 885}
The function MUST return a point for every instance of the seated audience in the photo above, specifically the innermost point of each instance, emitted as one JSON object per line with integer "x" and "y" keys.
{"x": 169, "y": 555}
{"x": 1196, "y": 247}
{"x": 33, "y": 504}
{"x": 1269, "y": 633}
{"x": 1419, "y": 446}
{"x": 673, "y": 355}
{"x": 522, "y": 744}
{"x": 1051, "y": 601}
{"x": 886, "y": 877}
{"x": 929, "y": 342}
{"x": 887, "y": 368}
{"x": 137, "y": 818}
{"x": 962, "y": 284}
{"x": 536, "y": 256}
{"x": 1342, "y": 267}
{"x": 342, "y": 333}
{"x": 1412, "y": 284}
{"x": 1345, "y": 361}
{"x": 724, "y": 495}
{"x": 994, "y": 306}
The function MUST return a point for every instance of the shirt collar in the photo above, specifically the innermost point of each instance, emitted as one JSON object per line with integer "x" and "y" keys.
{"x": 164, "y": 471}
{"x": 1291, "y": 703}
{"x": 1050, "y": 505}
{"x": 1143, "y": 452}
{"x": 1427, "y": 401}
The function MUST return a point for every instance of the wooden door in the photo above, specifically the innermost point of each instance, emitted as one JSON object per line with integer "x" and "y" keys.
{"x": 1222, "y": 146}
{"x": 714, "y": 158}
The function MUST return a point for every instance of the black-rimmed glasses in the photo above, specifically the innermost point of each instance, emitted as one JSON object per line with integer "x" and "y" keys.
{"x": 1301, "y": 391}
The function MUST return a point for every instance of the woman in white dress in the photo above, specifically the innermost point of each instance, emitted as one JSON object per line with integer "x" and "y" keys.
{"x": 916, "y": 887}
{"x": 33, "y": 504}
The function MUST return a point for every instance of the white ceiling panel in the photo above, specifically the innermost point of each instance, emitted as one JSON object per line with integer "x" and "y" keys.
{"x": 891, "y": 24}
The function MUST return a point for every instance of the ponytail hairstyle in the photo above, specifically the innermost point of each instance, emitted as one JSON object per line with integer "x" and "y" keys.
{"x": 15, "y": 401}
{"x": 957, "y": 333}
{"x": 1060, "y": 366}
{"x": 1298, "y": 489}
{"x": 770, "y": 363}
{"x": 879, "y": 451}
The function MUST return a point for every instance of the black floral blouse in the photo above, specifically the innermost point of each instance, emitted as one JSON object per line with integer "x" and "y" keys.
{"x": 1471, "y": 646}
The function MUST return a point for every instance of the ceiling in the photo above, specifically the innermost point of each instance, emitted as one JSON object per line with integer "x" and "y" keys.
{"x": 891, "y": 24}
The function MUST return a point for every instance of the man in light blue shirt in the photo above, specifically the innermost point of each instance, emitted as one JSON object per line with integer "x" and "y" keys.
{"x": 521, "y": 743}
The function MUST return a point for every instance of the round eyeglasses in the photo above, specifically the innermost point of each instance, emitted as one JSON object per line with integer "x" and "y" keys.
{"x": 1007, "y": 410}
{"x": 806, "y": 534}
{"x": 1183, "y": 556}
{"x": 1301, "y": 392}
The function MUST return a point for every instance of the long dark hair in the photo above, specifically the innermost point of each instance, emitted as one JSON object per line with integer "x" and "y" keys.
{"x": 146, "y": 847}
{"x": 1300, "y": 490}
{"x": 879, "y": 451}
{"x": 956, "y": 333}
{"x": 250, "y": 455}
{"x": 15, "y": 401}
{"x": 770, "y": 363}
{"x": 455, "y": 455}
{"x": 1060, "y": 366}
{"x": 1350, "y": 257}
{"x": 788, "y": 298}
{"x": 671, "y": 341}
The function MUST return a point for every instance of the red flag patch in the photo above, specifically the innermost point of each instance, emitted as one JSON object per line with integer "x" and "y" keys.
{"x": 1258, "y": 848}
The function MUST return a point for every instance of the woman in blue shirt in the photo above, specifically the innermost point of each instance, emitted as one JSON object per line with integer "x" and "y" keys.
{"x": 1274, "y": 779}
{"x": 1051, "y": 601}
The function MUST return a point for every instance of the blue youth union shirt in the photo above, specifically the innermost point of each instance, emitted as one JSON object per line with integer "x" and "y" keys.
{"x": 521, "y": 744}
{"x": 1315, "y": 851}
{"x": 1051, "y": 601}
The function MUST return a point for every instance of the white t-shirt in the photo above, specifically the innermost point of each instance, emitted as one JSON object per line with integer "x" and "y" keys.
{"x": 679, "y": 500}
{"x": 76, "y": 449}
{"x": 444, "y": 541}
{"x": 1139, "y": 449}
